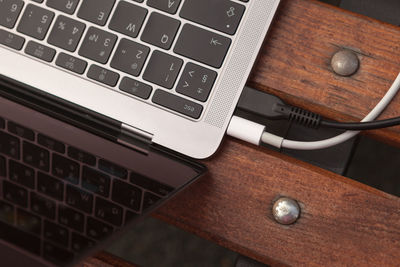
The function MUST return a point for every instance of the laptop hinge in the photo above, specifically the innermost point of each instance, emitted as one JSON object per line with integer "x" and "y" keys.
{"x": 135, "y": 138}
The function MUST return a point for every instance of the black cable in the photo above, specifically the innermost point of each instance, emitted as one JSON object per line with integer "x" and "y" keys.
{"x": 361, "y": 126}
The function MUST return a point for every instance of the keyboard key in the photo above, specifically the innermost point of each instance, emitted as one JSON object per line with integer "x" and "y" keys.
{"x": 151, "y": 185}
{"x": 36, "y": 156}
{"x": 202, "y": 45}
{"x": 59, "y": 256}
{"x": 21, "y": 131}
{"x": 95, "y": 181}
{"x": 6, "y": 212}
{"x": 11, "y": 40}
{"x": 55, "y": 233}
{"x": 2, "y": 123}
{"x": 222, "y": 15}
{"x": 196, "y": 82}
{"x": 15, "y": 194}
{"x": 108, "y": 211}
{"x": 29, "y": 222}
{"x": 50, "y": 143}
{"x": 40, "y": 51}
{"x": 66, "y": 33}
{"x": 135, "y": 88}
{"x": 128, "y": 195}
{"x": 113, "y": 169}
{"x": 65, "y": 169}
{"x": 71, "y": 63}
{"x": 79, "y": 199}
{"x": 178, "y": 104}
{"x": 128, "y": 19}
{"x": 9, "y": 12}
{"x": 97, "y": 45}
{"x": 81, "y": 156}
{"x": 160, "y": 30}
{"x": 130, "y": 57}
{"x": 80, "y": 243}
{"x": 71, "y": 218}
{"x": 9, "y": 145}
{"x": 35, "y": 21}
{"x": 43, "y": 206}
{"x": 149, "y": 200}
{"x": 97, "y": 229}
{"x": 21, "y": 174}
{"x": 20, "y": 238}
{"x": 3, "y": 171}
{"x": 50, "y": 186}
{"x": 163, "y": 69}
{"x": 67, "y": 6}
{"x": 170, "y": 6}
{"x": 103, "y": 75}
{"x": 96, "y": 11}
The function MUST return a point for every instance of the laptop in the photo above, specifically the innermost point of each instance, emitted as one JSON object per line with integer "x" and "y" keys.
{"x": 104, "y": 105}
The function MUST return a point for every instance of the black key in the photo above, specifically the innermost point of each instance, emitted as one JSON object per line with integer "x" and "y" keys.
{"x": 170, "y": 6}
{"x": 43, "y": 206}
{"x": 6, "y": 212}
{"x": 113, "y": 169}
{"x": 196, "y": 82}
{"x": 2, "y": 123}
{"x": 160, "y": 30}
{"x": 108, "y": 211}
{"x": 50, "y": 186}
{"x": 50, "y": 143}
{"x": 128, "y": 195}
{"x": 11, "y": 40}
{"x": 80, "y": 243}
{"x": 95, "y": 181}
{"x": 67, "y": 6}
{"x": 21, "y": 174}
{"x": 97, "y": 229}
{"x": 40, "y": 51}
{"x": 35, "y": 21}
{"x": 130, "y": 57}
{"x": 222, "y": 15}
{"x": 128, "y": 19}
{"x": 178, "y": 104}
{"x": 56, "y": 233}
{"x": 79, "y": 199}
{"x": 65, "y": 169}
{"x": 103, "y": 75}
{"x": 15, "y": 194}
{"x": 59, "y": 256}
{"x": 66, "y": 33}
{"x": 202, "y": 45}
{"x": 135, "y": 88}
{"x": 129, "y": 216}
{"x": 29, "y": 222}
{"x": 3, "y": 171}
{"x": 36, "y": 156}
{"x": 151, "y": 185}
{"x": 20, "y": 131}
{"x": 20, "y": 238}
{"x": 71, "y": 63}
{"x": 81, "y": 156}
{"x": 71, "y": 218}
{"x": 97, "y": 45}
{"x": 163, "y": 69}
{"x": 96, "y": 11}
{"x": 9, "y": 12}
{"x": 149, "y": 200}
{"x": 9, "y": 145}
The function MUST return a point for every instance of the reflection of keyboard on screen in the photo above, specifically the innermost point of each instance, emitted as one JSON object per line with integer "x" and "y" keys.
{"x": 167, "y": 52}
{"x": 64, "y": 196}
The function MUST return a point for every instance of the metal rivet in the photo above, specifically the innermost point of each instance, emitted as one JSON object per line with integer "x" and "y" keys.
{"x": 286, "y": 210}
{"x": 345, "y": 62}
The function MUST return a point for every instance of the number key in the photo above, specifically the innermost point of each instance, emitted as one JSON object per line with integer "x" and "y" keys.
{"x": 9, "y": 12}
{"x": 97, "y": 45}
{"x": 66, "y": 33}
{"x": 35, "y": 21}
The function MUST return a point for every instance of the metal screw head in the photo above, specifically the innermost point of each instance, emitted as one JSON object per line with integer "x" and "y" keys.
{"x": 345, "y": 63}
{"x": 286, "y": 210}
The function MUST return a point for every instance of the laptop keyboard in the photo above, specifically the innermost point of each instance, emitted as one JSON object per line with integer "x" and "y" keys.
{"x": 59, "y": 200}
{"x": 166, "y": 52}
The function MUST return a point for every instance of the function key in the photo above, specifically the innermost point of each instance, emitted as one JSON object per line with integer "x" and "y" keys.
{"x": 98, "y": 45}
{"x": 135, "y": 88}
{"x": 113, "y": 169}
{"x": 21, "y": 131}
{"x": 50, "y": 143}
{"x": 40, "y": 51}
{"x": 128, "y": 19}
{"x": 170, "y": 6}
{"x": 66, "y": 33}
{"x": 9, "y": 12}
{"x": 35, "y": 21}
{"x": 81, "y": 156}
{"x": 36, "y": 156}
{"x": 96, "y": 11}
{"x": 151, "y": 185}
{"x": 222, "y": 15}
{"x": 103, "y": 75}
{"x": 67, "y": 6}
{"x": 11, "y": 40}
{"x": 71, "y": 63}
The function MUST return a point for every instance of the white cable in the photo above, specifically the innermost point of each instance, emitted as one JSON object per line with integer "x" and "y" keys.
{"x": 314, "y": 145}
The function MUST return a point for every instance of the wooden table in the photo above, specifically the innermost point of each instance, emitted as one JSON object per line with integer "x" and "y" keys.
{"x": 342, "y": 222}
